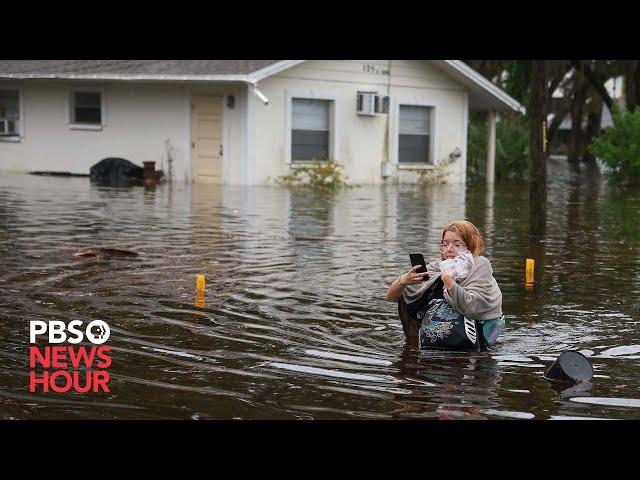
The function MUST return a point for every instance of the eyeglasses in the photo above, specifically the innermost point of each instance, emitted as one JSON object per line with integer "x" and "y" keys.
{"x": 457, "y": 246}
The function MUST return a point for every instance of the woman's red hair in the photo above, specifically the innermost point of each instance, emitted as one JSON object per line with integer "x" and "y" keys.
{"x": 469, "y": 233}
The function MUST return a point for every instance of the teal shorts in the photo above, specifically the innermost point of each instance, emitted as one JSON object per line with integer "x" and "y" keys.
{"x": 491, "y": 329}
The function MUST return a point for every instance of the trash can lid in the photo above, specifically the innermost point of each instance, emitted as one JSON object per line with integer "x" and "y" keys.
{"x": 575, "y": 365}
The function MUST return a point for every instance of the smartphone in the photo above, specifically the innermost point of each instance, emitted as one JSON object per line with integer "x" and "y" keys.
{"x": 418, "y": 259}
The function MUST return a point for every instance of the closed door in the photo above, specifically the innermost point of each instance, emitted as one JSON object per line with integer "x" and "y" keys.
{"x": 206, "y": 138}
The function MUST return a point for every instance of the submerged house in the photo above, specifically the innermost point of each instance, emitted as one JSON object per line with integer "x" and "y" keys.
{"x": 243, "y": 121}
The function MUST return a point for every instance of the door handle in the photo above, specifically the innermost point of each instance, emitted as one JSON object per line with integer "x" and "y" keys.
{"x": 193, "y": 144}
{"x": 220, "y": 152}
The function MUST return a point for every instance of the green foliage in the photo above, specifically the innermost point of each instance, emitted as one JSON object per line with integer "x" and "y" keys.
{"x": 512, "y": 148}
{"x": 321, "y": 176}
{"x": 476, "y": 147}
{"x": 519, "y": 81}
{"x": 619, "y": 146}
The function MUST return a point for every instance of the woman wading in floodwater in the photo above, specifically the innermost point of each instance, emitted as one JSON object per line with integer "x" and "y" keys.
{"x": 457, "y": 303}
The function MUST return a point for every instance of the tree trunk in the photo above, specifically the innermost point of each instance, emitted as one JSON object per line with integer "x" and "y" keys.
{"x": 593, "y": 130}
{"x": 575, "y": 136}
{"x": 630, "y": 85}
{"x": 596, "y": 81}
{"x": 537, "y": 148}
{"x": 560, "y": 113}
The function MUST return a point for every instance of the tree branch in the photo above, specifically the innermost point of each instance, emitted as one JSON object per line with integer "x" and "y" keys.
{"x": 557, "y": 79}
{"x": 555, "y": 123}
{"x": 597, "y": 83}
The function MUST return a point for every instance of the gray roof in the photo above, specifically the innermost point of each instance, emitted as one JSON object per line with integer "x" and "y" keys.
{"x": 483, "y": 94}
{"x": 47, "y": 68}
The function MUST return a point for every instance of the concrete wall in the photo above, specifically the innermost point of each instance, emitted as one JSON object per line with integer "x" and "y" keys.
{"x": 361, "y": 145}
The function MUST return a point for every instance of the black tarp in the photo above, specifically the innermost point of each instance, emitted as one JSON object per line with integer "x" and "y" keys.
{"x": 116, "y": 172}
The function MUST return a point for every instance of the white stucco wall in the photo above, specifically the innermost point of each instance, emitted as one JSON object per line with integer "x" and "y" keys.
{"x": 360, "y": 140}
{"x": 137, "y": 121}
{"x": 138, "y": 118}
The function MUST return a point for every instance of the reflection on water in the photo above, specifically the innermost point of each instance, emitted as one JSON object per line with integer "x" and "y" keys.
{"x": 294, "y": 322}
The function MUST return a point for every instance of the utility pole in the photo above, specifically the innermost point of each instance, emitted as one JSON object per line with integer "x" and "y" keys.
{"x": 538, "y": 148}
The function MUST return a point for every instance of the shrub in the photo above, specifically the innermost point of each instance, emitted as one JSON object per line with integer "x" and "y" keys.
{"x": 619, "y": 146}
{"x": 321, "y": 176}
{"x": 436, "y": 175}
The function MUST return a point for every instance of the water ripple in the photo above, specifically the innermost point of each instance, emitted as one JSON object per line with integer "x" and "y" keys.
{"x": 294, "y": 323}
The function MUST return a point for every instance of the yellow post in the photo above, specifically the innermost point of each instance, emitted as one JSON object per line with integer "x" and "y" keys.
{"x": 529, "y": 270}
{"x": 200, "y": 287}
{"x": 200, "y": 284}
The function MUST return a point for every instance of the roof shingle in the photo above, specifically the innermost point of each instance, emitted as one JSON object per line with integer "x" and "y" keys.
{"x": 131, "y": 67}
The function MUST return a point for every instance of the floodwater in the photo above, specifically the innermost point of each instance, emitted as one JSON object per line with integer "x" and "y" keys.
{"x": 294, "y": 324}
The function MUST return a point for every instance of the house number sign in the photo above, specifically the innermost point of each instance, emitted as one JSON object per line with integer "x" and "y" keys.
{"x": 368, "y": 68}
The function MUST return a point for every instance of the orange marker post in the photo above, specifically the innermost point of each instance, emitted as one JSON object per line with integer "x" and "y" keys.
{"x": 200, "y": 288}
{"x": 200, "y": 284}
{"x": 529, "y": 269}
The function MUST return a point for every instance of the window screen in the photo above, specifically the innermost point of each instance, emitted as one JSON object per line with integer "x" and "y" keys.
{"x": 309, "y": 129}
{"x": 415, "y": 134}
{"x": 9, "y": 112}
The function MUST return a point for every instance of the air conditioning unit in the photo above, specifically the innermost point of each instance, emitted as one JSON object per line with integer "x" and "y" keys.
{"x": 372, "y": 103}
{"x": 7, "y": 127}
{"x": 367, "y": 103}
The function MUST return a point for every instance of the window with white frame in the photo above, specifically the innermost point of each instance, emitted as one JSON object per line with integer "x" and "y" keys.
{"x": 9, "y": 113}
{"x": 86, "y": 108}
{"x": 415, "y": 132}
{"x": 310, "y": 129}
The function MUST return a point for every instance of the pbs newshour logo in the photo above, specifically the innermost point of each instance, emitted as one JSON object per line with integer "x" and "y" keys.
{"x": 97, "y": 332}
{"x": 61, "y": 365}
